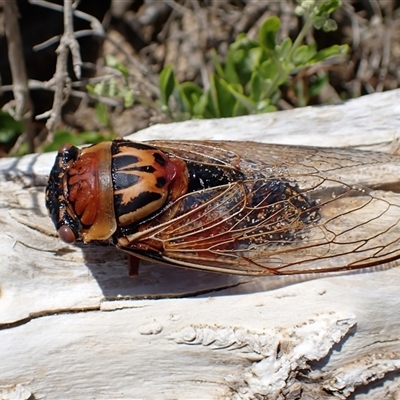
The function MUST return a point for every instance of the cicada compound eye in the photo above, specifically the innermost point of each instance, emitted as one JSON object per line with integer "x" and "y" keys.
{"x": 66, "y": 234}
{"x": 64, "y": 148}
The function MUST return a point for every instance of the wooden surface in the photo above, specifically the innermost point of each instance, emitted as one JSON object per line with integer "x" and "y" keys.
{"x": 74, "y": 325}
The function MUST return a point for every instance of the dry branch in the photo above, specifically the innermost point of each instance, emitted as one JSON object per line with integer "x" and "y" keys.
{"x": 68, "y": 43}
{"x": 177, "y": 334}
{"x": 23, "y": 104}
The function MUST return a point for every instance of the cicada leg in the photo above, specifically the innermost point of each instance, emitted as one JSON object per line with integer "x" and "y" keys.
{"x": 133, "y": 266}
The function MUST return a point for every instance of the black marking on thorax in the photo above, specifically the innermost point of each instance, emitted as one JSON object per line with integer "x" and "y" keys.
{"x": 204, "y": 176}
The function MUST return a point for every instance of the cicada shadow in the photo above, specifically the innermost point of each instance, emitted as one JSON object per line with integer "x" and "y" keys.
{"x": 109, "y": 267}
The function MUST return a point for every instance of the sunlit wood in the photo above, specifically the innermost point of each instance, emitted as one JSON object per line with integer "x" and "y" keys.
{"x": 75, "y": 325}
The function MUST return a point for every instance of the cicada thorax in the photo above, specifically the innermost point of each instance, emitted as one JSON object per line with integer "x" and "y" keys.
{"x": 93, "y": 191}
{"x": 144, "y": 179}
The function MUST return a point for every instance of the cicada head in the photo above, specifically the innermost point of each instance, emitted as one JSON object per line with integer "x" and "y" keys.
{"x": 62, "y": 215}
{"x": 79, "y": 194}
{"x": 94, "y": 190}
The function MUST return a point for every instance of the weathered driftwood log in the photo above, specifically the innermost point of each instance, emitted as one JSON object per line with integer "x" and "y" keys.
{"x": 74, "y": 325}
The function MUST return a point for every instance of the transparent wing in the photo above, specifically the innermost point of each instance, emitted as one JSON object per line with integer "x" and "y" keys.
{"x": 299, "y": 210}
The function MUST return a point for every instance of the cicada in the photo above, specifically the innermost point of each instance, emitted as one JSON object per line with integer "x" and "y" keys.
{"x": 230, "y": 207}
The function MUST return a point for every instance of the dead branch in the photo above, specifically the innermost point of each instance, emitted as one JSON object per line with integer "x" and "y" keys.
{"x": 23, "y": 104}
{"x": 67, "y": 43}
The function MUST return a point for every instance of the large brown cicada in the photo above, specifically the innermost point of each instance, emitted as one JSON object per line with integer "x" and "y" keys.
{"x": 233, "y": 207}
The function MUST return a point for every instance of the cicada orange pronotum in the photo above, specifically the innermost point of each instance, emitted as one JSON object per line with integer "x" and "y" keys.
{"x": 233, "y": 207}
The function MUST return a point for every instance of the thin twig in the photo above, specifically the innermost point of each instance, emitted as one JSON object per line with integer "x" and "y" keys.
{"x": 386, "y": 48}
{"x": 177, "y": 7}
{"x": 113, "y": 102}
{"x": 95, "y": 24}
{"x": 98, "y": 30}
{"x": 23, "y": 108}
{"x": 202, "y": 42}
{"x": 67, "y": 43}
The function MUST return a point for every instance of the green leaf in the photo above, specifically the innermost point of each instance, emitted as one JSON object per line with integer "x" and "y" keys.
{"x": 222, "y": 100}
{"x": 225, "y": 100}
{"x": 269, "y": 69}
{"x": 188, "y": 95}
{"x": 99, "y": 89}
{"x": 302, "y": 97}
{"x": 265, "y": 106}
{"x": 302, "y": 55}
{"x": 317, "y": 83}
{"x": 267, "y": 33}
{"x": 330, "y": 52}
{"x": 23, "y": 150}
{"x": 256, "y": 86}
{"x": 112, "y": 88}
{"x": 244, "y": 55}
{"x": 62, "y": 137}
{"x": 282, "y": 50}
{"x": 129, "y": 98}
{"x": 213, "y": 98}
{"x": 329, "y": 25}
{"x": 327, "y": 6}
{"x": 102, "y": 114}
{"x": 90, "y": 88}
{"x": 253, "y": 59}
{"x": 94, "y": 137}
{"x": 65, "y": 136}
{"x": 200, "y": 108}
{"x": 230, "y": 73}
{"x": 250, "y": 78}
{"x": 262, "y": 79}
{"x": 181, "y": 100}
{"x": 217, "y": 65}
{"x": 7, "y": 135}
{"x": 113, "y": 62}
{"x": 9, "y": 127}
{"x": 167, "y": 83}
{"x": 248, "y": 103}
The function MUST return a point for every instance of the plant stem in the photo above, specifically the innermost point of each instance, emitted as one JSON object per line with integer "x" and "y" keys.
{"x": 299, "y": 40}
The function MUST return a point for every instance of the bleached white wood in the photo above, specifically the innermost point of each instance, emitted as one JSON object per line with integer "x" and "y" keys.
{"x": 74, "y": 325}
{"x": 368, "y": 122}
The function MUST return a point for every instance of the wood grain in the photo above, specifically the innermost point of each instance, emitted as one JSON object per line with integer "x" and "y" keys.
{"x": 74, "y": 325}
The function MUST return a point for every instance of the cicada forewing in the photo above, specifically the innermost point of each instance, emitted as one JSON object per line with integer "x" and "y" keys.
{"x": 282, "y": 210}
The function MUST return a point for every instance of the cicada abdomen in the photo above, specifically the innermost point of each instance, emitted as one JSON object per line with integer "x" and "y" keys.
{"x": 233, "y": 207}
